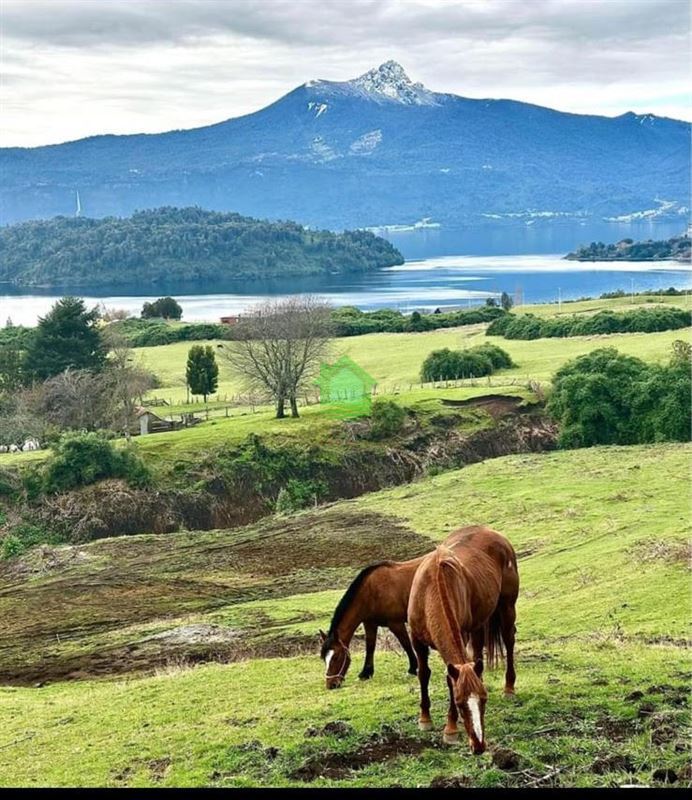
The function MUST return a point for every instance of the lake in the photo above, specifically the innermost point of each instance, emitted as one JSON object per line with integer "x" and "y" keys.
{"x": 444, "y": 268}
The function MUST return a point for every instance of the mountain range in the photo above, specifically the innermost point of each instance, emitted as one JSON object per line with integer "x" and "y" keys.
{"x": 371, "y": 151}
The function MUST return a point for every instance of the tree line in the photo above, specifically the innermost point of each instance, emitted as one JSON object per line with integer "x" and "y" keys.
{"x": 640, "y": 320}
{"x": 179, "y": 244}
{"x": 678, "y": 247}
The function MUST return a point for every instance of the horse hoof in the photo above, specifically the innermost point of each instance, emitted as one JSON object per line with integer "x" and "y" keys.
{"x": 424, "y": 726}
{"x": 365, "y": 676}
{"x": 450, "y": 738}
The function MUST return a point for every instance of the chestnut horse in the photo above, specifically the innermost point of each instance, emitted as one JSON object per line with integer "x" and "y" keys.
{"x": 379, "y": 597}
{"x": 457, "y": 592}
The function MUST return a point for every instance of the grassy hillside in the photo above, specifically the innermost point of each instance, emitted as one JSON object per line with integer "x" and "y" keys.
{"x": 602, "y": 676}
{"x": 406, "y": 352}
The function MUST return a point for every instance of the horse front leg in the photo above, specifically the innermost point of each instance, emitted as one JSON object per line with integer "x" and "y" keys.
{"x": 422, "y": 653}
{"x": 451, "y": 732}
{"x": 399, "y": 630}
{"x": 370, "y": 640}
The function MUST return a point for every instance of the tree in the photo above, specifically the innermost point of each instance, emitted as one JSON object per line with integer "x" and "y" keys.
{"x": 593, "y": 398}
{"x": 128, "y": 381}
{"x": 279, "y": 346}
{"x": 202, "y": 373}
{"x": 163, "y": 308}
{"x": 11, "y": 368}
{"x": 491, "y": 301}
{"x": 75, "y": 399}
{"x": 506, "y": 301}
{"x": 67, "y": 337}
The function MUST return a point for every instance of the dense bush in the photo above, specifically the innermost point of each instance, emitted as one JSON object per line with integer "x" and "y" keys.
{"x": 351, "y": 321}
{"x": 150, "y": 333}
{"x": 163, "y": 308}
{"x": 640, "y": 320}
{"x": 80, "y": 459}
{"x": 298, "y": 494}
{"x": 605, "y": 397}
{"x": 446, "y": 364}
{"x": 387, "y": 418}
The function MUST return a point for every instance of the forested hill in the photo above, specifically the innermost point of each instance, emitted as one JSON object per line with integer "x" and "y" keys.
{"x": 677, "y": 248}
{"x": 179, "y": 244}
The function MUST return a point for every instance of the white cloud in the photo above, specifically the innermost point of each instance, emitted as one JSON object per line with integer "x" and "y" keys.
{"x": 73, "y": 68}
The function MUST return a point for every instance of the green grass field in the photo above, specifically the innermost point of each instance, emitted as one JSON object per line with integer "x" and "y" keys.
{"x": 398, "y": 375}
{"x": 603, "y": 618}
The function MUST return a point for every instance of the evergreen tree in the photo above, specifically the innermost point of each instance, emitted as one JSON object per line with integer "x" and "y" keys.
{"x": 67, "y": 336}
{"x": 506, "y": 301}
{"x": 202, "y": 373}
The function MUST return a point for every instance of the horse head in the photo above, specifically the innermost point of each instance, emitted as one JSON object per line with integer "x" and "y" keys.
{"x": 336, "y": 657}
{"x": 470, "y": 696}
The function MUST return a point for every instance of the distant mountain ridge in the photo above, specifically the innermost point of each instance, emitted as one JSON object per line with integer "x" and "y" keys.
{"x": 379, "y": 149}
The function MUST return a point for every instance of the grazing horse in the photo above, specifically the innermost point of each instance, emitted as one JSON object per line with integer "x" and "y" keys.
{"x": 457, "y": 593}
{"x": 377, "y": 597}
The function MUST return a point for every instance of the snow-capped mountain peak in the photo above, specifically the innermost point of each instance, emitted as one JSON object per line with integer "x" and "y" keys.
{"x": 390, "y": 81}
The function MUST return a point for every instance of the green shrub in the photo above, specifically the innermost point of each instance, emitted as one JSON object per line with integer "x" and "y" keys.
{"x": 299, "y": 494}
{"x": 449, "y": 365}
{"x": 22, "y": 537}
{"x": 499, "y": 358}
{"x": 387, "y": 418}
{"x": 80, "y": 459}
{"x": 11, "y": 547}
{"x": 498, "y": 326}
{"x": 605, "y": 397}
{"x": 640, "y": 320}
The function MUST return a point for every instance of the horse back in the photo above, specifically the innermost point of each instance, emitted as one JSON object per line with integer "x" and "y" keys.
{"x": 495, "y": 546}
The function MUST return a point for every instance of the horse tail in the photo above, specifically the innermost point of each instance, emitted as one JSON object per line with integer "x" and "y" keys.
{"x": 493, "y": 638}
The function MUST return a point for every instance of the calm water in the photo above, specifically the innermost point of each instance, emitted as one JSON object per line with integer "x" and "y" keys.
{"x": 444, "y": 268}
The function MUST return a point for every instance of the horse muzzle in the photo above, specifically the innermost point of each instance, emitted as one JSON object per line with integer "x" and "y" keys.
{"x": 334, "y": 683}
{"x": 478, "y": 748}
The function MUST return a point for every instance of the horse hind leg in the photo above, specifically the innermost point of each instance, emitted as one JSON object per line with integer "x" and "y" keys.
{"x": 422, "y": 653}
{"x": 508, "y": 628}
{"x": 370, "y": 641}
{"x": 399, "y": 630}
{"x": 477, "y": 643}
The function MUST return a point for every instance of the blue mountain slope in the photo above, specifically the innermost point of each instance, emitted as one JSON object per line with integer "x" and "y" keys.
{"x": 375, "y": 150}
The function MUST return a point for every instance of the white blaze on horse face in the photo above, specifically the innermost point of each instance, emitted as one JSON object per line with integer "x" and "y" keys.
{"x": 327, "y": 659}
{"x": 475, "y": 710}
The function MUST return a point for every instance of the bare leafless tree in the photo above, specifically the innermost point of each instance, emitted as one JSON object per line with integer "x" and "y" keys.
{"x": 127, "y": 380}
{"x": 279, "y": 345}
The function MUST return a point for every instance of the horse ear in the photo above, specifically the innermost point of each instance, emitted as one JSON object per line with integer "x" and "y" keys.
{"x": 323, "y": 636}
{"x": 452, "y": 671}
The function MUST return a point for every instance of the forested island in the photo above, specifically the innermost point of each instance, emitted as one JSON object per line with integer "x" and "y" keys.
{"x": 179, "y": 244}
{"x": 677, "y": 248}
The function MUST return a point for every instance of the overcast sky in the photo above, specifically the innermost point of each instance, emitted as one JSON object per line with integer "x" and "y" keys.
{"x": 74, "y": 68}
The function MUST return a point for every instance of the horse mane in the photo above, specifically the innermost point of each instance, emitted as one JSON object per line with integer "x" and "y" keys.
{"x": 447, "y": 611}
{"x": 351, "y": 592}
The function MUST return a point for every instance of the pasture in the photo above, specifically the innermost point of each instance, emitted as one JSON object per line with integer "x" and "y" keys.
{"x": 122, "y": 636}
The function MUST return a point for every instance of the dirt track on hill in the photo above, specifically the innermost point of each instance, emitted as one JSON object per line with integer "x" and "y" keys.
{"x": 66, "y": 603}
